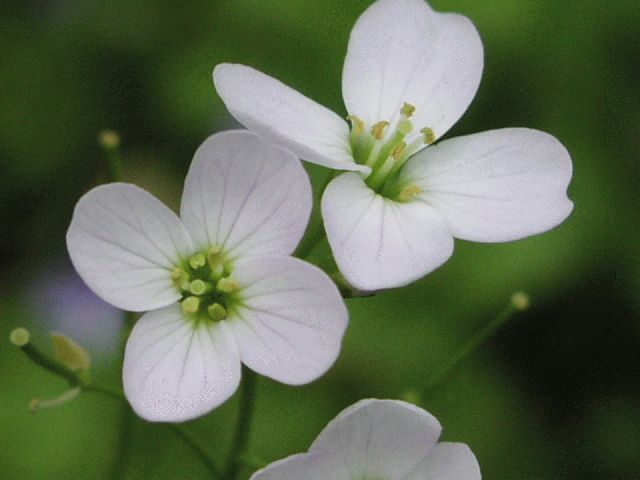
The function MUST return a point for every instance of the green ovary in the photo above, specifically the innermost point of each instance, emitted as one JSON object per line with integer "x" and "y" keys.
{"x": 386, "y": 152}
{"x": 208, "y": 290}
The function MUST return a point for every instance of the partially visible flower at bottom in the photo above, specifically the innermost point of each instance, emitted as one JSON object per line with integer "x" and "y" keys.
{"x": 378, "y": 440}
{"x": 218, "y": 281}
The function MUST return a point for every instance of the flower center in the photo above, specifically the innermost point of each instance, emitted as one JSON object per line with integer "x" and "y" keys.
{"x": 386, "y": 149}
{"x": 207, "y": 287}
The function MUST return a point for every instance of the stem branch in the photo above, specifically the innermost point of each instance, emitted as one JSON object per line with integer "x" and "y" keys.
{"x": 518, "y": 303}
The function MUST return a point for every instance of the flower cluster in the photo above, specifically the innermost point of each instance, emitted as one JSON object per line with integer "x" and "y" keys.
{"x": 218, "y": 284}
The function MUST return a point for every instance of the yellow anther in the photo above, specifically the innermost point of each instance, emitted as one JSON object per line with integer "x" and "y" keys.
{"x": 214, "y": 256}
{"x": 197, "y": 261}
{"x": 190, "y": 305}
{"x": 378, "y": 129}
{"x": 398, "y": 151}
{"x": 407, "y": 110}
{"x": 180, "y": 278}
{"x": 409, "y": 192}
{"x": 357, "y": 124}
{"x": 429, "y": 135}
{"x": 227, "y": 285}
{"x": 217, "y": 312}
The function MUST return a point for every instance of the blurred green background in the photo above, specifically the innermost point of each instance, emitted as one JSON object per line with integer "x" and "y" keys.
{"x": 556, "y": 394}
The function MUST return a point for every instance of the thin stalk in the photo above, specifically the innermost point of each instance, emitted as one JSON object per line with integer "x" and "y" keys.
{"x": 315, "y": 234}
{"x": 241, "y": 437}
{"x": 177, "y": 429}
{"x": 519, "y": 302}
{"x": 110, "y": 143}
{"x": 124, "y": 439}
{"x": 49, "y": 364}
{"x": 127, "y": 418}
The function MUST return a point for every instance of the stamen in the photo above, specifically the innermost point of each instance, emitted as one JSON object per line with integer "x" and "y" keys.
{"x": 399, "y": 150}
{"x": 357, "y": 125}
{"x": 429, "y": 135}
{"x": 217, "y": 312}
{"x": 227, "y": 285}
{"x": 362, "y": 147}
{"x": 190, "y": 305}
{"x": 215, "y": 259}
{"x": 407, "y": 110}
{"x": 197, "y": 261}
{"x": 180, "y": 279}
{"x": 378, "y": 129}
{"x": 384, "y": 163}
{"x": 409, "y": 192}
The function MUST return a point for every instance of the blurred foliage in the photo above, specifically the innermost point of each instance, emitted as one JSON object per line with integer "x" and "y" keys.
{"x": 554, "y": 395}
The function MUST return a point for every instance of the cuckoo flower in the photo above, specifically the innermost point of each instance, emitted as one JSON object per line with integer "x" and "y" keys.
{"x": 409, "y": 75}
{"x": 378, "y": 439}
{"x": 218, "y": 281}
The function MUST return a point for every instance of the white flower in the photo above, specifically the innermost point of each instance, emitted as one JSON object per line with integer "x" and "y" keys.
{"x": 409, "y": 74}
{"x": 219, "y": 281}
{"x": 378, "y": 440}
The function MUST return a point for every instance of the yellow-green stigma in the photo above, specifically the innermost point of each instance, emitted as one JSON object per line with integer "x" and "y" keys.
{"x": 205, "y": 283}
{"x": 385, "y": 148}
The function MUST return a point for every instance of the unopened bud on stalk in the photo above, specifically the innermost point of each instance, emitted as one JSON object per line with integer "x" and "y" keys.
{"x": 520, "y": 301}
{"x": 20, "y": 337}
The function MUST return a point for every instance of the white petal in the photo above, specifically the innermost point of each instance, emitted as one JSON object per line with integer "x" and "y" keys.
{"x": 402, "y": 51}
{"x": 284, "y": 116}
{"x": 380, "y": 438}
{"x": 124, "y": 243}
{"x": 496, "y": 186}
{"x": 378, "y": 243}
{"x": 304, "y": 466}
{"x": 246, "y": 195}
{"x": 293, "y": 319}
{"x": 447, "y": 461}
{"x": 174, "y": 371}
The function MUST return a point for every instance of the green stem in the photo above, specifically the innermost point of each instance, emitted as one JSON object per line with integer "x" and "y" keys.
{"x": 127, "y": 417}
{"x": 110, "y": 143}
{"x": 105, "y": 392}
{"x": 245, "y": 413}
{"x": 444, "y": 374}
{"x": 51, "y": 365}
{"x": 315, "y": 234}
{"x": 195, "y": 447}
{"x": 124, "y": 440}
{"x": 178, "y": 430}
